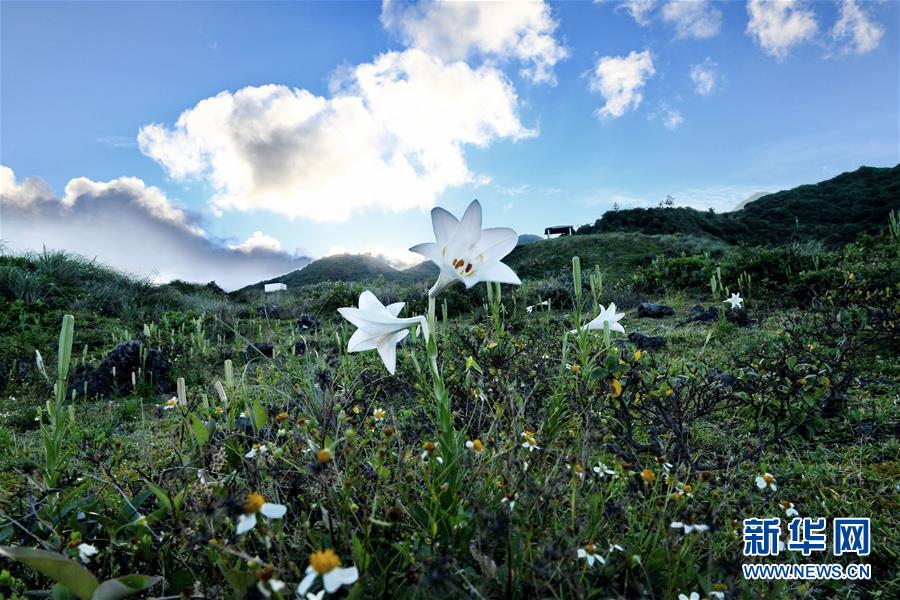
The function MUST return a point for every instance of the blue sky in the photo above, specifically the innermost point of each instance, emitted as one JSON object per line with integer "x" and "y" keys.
{"x": 794, "y": 93}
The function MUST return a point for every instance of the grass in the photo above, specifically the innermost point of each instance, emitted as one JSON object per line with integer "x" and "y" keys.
{"x": 402, "y": 498}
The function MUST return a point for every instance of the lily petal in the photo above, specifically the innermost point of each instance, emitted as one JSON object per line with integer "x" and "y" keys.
{"x": 444, "y": 225}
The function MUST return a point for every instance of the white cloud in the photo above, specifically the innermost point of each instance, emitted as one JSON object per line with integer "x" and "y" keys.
{"x": 132, "y": 227}
{"x": 391, "y": 137}
{"x": 705, "y": 76}
{"x": 258, "y": 241}
{"x": 697, "y": 19}
{"x": 777, "y": 25}
{"x": 150, "y": 199}
{"x": 23, "y": 194}
{"x": 671, "y": 118}
{"x": 619, "y": 80}
{"x": 638, "y": 9}
{"x": 457, "y": 30}
{"x": 856, "y": 30}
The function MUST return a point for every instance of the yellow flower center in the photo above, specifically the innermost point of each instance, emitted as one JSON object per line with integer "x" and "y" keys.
{"x": 266, "y": 573}
{"x": 324, "y": 455}
{"x": 477, "y": 445}
{"x": 171, "y": 402}
{"x": 282, "y": 416}
{"x": 379, "y": 414}
{"x": 324, "y": 561}
{"x": 768, "y": 478}
{"x": 687, "y": 489}
{"x": 637, "y": 355}
{"x": 676, "y": 496}
{"x": 648, "y": 476}
{"x": 617, "y": 388}
{"x": 429, "y": 446}
{"x": 579, "y": 469}
{"x": 590, "y": 549}
{"x": 253, "y": 503}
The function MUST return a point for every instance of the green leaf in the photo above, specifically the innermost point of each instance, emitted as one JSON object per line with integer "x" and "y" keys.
{"x": 124, "y": 586}
{"x": 160, "y": 493}
{"x": 200, "y": 430}
{"x": 258, "y": 415}
{"x": 57, "y": 567}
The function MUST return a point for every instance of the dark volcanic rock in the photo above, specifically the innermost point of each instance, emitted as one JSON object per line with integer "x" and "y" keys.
{"x": 126, "y": 359}
{"x": 646, "y": 342}
{"x": 254, "y": 350}
{"x": 703, "y": 315}
{"x": 307, "y": 323}
{"x": 654, "y": 311}
{"x": 267, "y": 310}
{"x": 738, "y": 316}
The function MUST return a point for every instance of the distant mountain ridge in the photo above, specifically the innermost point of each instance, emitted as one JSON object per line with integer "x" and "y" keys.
{"x": 835, "y": 212}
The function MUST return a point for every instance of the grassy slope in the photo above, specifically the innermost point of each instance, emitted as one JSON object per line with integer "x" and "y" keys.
{"x": 834, "y": 212}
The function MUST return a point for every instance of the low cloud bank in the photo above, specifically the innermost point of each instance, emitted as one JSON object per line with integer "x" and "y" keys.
{"x": 134, "y": 228}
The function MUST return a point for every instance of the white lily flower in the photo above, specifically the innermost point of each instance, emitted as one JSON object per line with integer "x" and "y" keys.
{"x": 616, "y": 547}
{"x": 736, "y": 301}
{"x": 465, "y": 252}
{"x": 693, "y": 596}
{"x": 170, "y": 403}
{"x": 607, "y": 315}
{"x": 717, "y": 595}
{"x": 589, "y": 553}
{"x": 327, "y": 564}
{"x": 86, "y": 551}
{"x": 766, "y": 480}
{"x": 689, "y": 527}
{"x": 317, "y": 596}
{"x": 379, "y": 327}
{"x": 254, "y": 504}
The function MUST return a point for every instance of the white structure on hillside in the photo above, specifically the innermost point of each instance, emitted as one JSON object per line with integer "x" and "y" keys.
{"x": 275, "y": 287}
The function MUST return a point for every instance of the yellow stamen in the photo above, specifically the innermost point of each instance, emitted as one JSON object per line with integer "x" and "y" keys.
{"x": 253, "y": 503}
{"x": 648, "y": 476}
{"x": 324, "y": 561}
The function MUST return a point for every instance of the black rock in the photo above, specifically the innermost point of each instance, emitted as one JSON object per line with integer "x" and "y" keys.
{"x": 646, "y": 342}
{"x": 254, "y": 350}
{"x": 703, "y": 315}
{"x": 266, "y": 310}
{"x": 126, "y": 359}
{"x": 722, "y": 378}
{"x": 307, "y": 323}
{"x": 738, "y": 316}
{"x": 654, "y": 311}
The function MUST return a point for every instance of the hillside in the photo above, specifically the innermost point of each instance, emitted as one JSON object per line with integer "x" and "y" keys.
{"x": 340, "y": 267}
{"x": 835, "y": 212}
{"x": 616, "y": 253}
